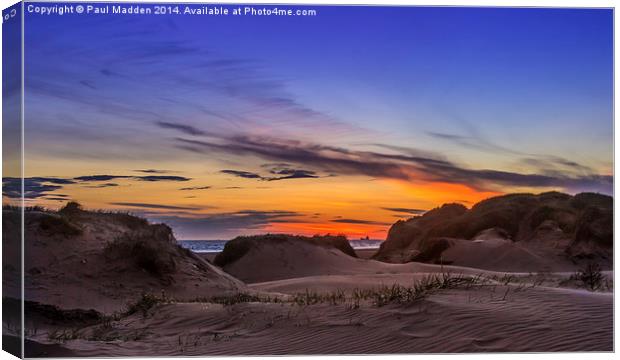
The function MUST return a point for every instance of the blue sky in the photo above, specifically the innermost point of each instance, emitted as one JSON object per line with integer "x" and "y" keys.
{"x": 418, "y": 70}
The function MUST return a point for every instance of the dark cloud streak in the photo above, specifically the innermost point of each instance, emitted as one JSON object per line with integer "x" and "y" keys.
{"x": 359, "y": 222}
{"x": 185, "y": 129}
{"x": 149, "y": 178}
{"x": 226, "y": 224}
{"x": 154, "y": 206}
{"x": 395, "y": 166}
{"x": 242, "y": 174}
{"x": 195, "y": 188}
{"x": 405, "y": 210}
{"x": 153, "y": 171}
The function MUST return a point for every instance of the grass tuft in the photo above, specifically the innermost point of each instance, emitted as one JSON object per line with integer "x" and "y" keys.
{"x": 144, "y": 304}
{"x": 590, "y": 276}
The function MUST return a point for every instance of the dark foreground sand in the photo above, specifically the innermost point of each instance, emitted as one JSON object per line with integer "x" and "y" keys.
{"x": 490, "y": 318}
{"x": 516, "y": 312}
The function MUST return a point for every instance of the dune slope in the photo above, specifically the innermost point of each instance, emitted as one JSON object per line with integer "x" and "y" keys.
{"x": 510, "y": 233}
{"x": 82, "y": 259}
{"x": 273, "y": 257}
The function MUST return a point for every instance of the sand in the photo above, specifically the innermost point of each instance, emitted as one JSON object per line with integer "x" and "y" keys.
{"x": 365, "y": 253}
{"x": 527, "y": 309}
{"x": 208, "y": 256}
{"x": 527, "y": 312}
{"x": 484, "y": 319}
{"x": 73, "y": 271}
{"x": 503, "y": 255}
{"x": 287, "y": 261}
{"x": 362, "y": 254}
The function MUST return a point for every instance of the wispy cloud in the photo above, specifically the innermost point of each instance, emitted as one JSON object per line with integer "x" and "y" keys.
{"x": 407, "y": 167}
{"x": 285, "y": 171}
{"x": 154, "y": 206}
{"x": 284, "y": 174}
{"x": 149, "y": 178}
{"x": 129, "y": 87}
{"x": 475, "y": 142}
{"x": 224, "y": 225}
{"x": 242, "y": 174}
{"x": 360, "y": 222}
{"x": 153, "y": 171}
{"x": 153, "y": 178}
{"x": 195, "y": 188}
{"x": 39, "y": 187}
{"x": 186, "y": 129}
{"x": 294, "y": 174}
{"x": 88, "y": 178}
{"x": 405, "y": 210}
{"x": 34, "y": 187}
{"x": 88, "y": 84}
{"x": 100, "y": 186}
{"x": 55, "y": 198}
{"x": 551, "y": 165}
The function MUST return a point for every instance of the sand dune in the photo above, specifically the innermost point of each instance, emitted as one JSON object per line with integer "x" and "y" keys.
{"x": 88, "y": 260}
{"x": 268, "y": 261}
{"x": 484, "y": 319}
{"x": 298, "y": 259}
{"x": 103, "y": 261}
{"x": 501, "y": 255}
{"x": 406, "y": 276}
{"x": 516, "y": 232}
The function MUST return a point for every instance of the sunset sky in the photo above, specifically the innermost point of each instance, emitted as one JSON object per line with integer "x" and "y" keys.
{"x": 339, "y": 123}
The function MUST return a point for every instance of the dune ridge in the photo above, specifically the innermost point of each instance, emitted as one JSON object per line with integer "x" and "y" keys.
{"x": 562, "y": 230}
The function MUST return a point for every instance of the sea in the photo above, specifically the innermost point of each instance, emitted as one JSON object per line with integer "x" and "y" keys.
{"x": 212, "y": 246}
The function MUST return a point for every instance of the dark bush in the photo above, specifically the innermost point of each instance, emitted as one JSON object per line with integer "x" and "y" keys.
{"x": 146, "y": 252}
{"x": 539, "y": 215}
{"x": 130, "y": 221}
{"x": 53, "y": 225}
{"x": 583, "y": 200}
{"x": 590, "y": 276}
{"x": 595, "y": 225}
{"x": 71, "y": 208}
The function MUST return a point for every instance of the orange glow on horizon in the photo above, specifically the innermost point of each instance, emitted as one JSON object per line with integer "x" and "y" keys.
{"x": 351, "y": 231}
{"x": 439, "y": 193}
